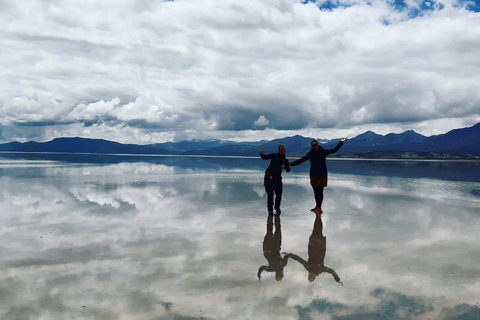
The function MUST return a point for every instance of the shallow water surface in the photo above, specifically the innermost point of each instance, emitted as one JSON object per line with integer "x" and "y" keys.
{"x": 185, "y": 238}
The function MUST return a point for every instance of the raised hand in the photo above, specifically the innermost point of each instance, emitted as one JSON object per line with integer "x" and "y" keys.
{"x": 344, "y": 139}
{"x": 261, "y": 150}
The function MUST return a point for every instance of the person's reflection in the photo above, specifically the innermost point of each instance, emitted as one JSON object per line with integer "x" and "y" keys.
{"x": 271, "y": 249}
{"x": 317, "y": 246}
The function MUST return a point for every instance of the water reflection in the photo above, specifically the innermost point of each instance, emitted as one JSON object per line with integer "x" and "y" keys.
{"x": 272, "y": 244}
{"x": 141, "y": 241}
{"x": 317, "y": 248}
{"x": 445, "y": 170}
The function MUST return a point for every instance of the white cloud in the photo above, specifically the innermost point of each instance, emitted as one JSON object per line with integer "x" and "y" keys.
{"x": 93, "y": 110}
{"x": 261, "y": 121}
{"x": 196, "y": 69}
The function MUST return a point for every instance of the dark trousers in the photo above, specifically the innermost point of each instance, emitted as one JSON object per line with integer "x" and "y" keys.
{"x": 317, "y": 244}
{"x": 273, "y": 186}
{"x": 318, "y": 192}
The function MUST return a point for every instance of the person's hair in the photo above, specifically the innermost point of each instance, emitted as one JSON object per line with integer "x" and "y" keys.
{"x": 314, "y": 140}
{"x": 281, "y": 146}
{"x": 279, "y": 275}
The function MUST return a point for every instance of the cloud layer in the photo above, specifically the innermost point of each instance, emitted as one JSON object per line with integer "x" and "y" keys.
{"x": 169, "y": 70}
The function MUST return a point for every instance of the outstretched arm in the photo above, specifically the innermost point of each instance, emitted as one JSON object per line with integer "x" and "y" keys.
{"x": 334, "y": 274}
{"x": 265, "y": 157}
{"x": 339, "y": 145}
{"x": 298, "y": 259}
{"x": 301, "y": 160}
{"x": 260, "y": 270}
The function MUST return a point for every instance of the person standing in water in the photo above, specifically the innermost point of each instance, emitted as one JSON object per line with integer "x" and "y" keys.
{"x": 273, "y": 177}
{"x": 318, "y": 170}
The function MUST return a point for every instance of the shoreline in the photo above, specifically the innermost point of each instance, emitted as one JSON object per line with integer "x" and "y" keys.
{"x": 236, "y": 157}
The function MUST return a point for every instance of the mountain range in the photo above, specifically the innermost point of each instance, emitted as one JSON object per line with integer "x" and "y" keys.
{"x": 461, "y": 143}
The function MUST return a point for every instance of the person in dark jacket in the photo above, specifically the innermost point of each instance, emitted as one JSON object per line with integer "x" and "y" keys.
{"x": 271, "y": 250}
{"x": 273, "y": 177}
{"x": 317, "y": 247}
{"x": 318, "y": 170}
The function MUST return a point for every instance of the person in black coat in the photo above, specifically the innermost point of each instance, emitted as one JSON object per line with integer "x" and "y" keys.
{"x": 273, "y": 177}
{"x": 318, "y": 170}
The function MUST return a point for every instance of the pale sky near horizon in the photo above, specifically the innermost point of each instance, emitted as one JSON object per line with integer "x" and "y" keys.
{"x": 157, "y": 71}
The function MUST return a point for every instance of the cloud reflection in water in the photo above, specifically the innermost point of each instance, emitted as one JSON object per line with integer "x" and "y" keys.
{"x": 150, "y": 240}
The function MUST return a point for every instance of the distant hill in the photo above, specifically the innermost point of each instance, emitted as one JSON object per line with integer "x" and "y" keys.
{"x": 370, "y": 141}
{"x": 461, "y": 143}
{"x": 298, "y": 145}
{"x": 458, "y": 140}
{"x": 81, "y": 145}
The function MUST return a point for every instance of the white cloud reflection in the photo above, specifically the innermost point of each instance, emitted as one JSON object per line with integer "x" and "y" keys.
{"x": 131, "y": 240}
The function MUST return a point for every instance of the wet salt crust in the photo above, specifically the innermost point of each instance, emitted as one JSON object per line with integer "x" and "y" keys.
{"x": 123, "y": 238}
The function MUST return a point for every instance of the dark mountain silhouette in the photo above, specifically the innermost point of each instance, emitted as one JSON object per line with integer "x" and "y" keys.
{"x": 455, "y": 144}
{"x": 81, "y": 145}
{"x": 193, "y": 145}
{"x": 295, "y": 145}
{"x": 409, "y": 136}
{"x": 370, "y": 141}
{"x": 458, "y": 140}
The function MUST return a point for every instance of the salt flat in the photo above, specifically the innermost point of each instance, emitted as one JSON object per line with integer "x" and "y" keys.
{"x": 174, "y": 238}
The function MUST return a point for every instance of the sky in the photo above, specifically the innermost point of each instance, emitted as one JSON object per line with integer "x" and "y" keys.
{"x": 157, "y": 71}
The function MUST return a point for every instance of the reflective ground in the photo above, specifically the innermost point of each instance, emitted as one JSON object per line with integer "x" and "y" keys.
{"x": 169, "y": 238}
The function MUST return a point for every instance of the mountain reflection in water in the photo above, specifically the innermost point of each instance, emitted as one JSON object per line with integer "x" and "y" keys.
{"x": 184, "y": 238}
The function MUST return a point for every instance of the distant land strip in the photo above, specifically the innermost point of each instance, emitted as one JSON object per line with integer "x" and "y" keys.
{"x": 457, "y": 144}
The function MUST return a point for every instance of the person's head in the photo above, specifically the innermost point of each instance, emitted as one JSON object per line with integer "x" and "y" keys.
{"x": 282, "y": 149}
{"x": 279, "y": 275}
{"x": 314, "y": 144}
{"x": 312, "y": 276}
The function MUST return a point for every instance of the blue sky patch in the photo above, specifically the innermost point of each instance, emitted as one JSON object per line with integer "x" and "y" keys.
{"x": 471, "y": 5}
{"x": 420, "y": 9}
